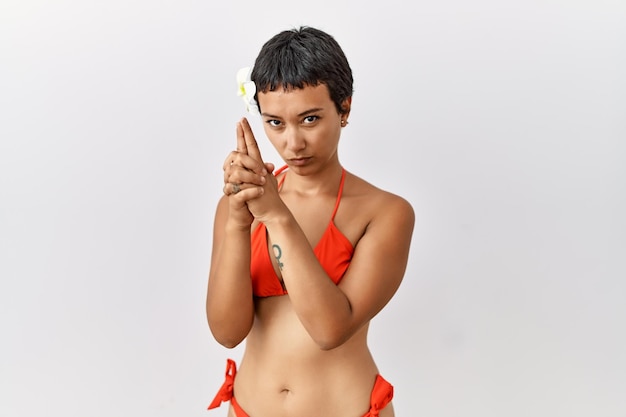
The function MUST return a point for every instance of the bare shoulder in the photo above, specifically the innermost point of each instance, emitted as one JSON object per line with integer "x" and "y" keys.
{"x": 367, "y": 207}
{"x": 375, "y": 201}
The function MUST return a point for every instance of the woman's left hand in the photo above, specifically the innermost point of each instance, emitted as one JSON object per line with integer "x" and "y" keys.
{"x": 268, "y": 202}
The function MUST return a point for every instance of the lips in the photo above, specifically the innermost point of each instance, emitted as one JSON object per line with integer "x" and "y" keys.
{"x": 299, "y": 161}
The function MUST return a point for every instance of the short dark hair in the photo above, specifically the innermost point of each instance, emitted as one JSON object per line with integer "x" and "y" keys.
{"x": 302, "y": 57}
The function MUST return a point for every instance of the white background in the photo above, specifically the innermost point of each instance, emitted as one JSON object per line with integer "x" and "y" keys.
{"x": 503, "y": 123}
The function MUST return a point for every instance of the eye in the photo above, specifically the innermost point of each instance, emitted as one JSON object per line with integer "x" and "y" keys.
{"x": 310, "y": 119}
{"x": 273, "y": 122}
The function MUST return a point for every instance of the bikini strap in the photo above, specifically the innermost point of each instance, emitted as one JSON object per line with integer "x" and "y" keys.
{"x": 277, "y": 173}
{"x": 343, "y": 177}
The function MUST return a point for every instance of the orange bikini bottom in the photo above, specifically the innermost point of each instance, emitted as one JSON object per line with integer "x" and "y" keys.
{"x": 382, "y": 393}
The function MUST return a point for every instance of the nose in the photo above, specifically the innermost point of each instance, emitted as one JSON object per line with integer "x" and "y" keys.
{"x": 295, "y": 139}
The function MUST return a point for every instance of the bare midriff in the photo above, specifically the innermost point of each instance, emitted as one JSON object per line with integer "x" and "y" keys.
{"x": 283, "y": 373}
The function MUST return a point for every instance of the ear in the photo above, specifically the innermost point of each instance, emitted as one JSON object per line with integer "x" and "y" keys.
{"x": 345, "y": 106}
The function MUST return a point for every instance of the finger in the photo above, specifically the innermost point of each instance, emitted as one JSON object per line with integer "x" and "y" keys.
{"x": 231, "y": 188}
{"x": 241, "y": 140}
{"x": 246, "y": 170}
{"x": 250, "y": 164}
{"x": 230, "y": 160}
{"x": 244, "y": 192}
{"x": 250, "y": 142}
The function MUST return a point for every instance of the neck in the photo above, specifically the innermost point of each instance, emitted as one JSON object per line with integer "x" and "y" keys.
{"x": 324, "y": 181}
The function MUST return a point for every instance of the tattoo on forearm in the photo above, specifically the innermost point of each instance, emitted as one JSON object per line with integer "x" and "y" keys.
{"x": 277, "y": 254}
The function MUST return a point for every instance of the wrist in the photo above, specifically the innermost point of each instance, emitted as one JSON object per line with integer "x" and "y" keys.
{"x": 279, "y": 219}
{"x": 233, "y": 226}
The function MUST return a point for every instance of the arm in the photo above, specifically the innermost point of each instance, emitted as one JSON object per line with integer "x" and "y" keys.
{"x": 332, "y": 314}
{"x": 229, "y": 301}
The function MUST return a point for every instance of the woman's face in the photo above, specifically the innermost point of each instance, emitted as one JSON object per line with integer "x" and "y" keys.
{"x": 303, "y": 125}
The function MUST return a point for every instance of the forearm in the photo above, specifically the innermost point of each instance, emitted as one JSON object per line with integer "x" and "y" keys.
{"x": 321, "y": 306}
{"x": 229, "y": 304}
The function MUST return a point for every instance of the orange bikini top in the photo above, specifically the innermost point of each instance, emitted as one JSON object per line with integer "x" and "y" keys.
{"x": 333, "y": 251}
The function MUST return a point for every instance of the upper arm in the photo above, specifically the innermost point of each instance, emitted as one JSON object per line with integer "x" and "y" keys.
{"x": 379, "y": 261}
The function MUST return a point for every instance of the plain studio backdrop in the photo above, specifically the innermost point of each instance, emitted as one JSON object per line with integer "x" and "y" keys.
{"x": 503, "y": 123}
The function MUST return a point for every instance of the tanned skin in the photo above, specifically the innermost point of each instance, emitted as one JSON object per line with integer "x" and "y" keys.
{"x": 306, "y": 353}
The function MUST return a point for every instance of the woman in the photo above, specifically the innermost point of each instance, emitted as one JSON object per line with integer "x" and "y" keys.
{"x": 304, "y": 258}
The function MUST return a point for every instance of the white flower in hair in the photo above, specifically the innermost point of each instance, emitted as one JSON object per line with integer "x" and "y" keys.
{"x": 247, "y": 90}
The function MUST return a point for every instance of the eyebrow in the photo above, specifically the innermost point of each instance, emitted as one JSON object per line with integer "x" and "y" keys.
{"x": 304, "y": 113}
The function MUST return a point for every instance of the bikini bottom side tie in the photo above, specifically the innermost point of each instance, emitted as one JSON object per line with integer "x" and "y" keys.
{"x": 225, "y": 393}
{"x": 382, "y": 394}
